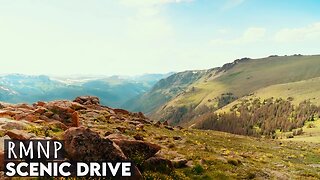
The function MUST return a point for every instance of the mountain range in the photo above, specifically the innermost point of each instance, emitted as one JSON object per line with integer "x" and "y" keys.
{"x": 113, "y": 91}
{"x": 183, "y": 96}
{"x": 180, "y": 98}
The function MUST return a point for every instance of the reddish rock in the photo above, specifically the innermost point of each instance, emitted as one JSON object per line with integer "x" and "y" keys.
{"x": 19, "y": 116}
{"x": 43, "y": 117}
{"x": 40, "y": 110}
{"x": 82, "y": 144}
{"x": 64, "y": 112}
{"x": 14, "y": 125}
{"x": 56, "y": 117}
{"x": 121, "y": 111}
{"x": 75, "y": 119}
{"x": 18, "y": 135}
{"x": 1, "y": 160}
{"x": 87, "y": 100}
{"x": 40, "y": 103}
{"x": 24, "y": 106}
{"x": 48, "y": 114}
{"x": 30, "y": 117}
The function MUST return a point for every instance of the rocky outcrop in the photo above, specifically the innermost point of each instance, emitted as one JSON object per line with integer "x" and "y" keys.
{"x": 65, "y": 112}
{"x": 91, "y": 132}
{"x": 87, "y": 100}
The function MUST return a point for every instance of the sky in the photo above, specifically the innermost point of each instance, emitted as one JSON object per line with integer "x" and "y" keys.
{"x": 131, "y": 37}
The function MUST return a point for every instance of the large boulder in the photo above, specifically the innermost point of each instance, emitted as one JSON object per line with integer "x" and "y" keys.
{"x": 87, "y": 100}
{"x": 82, "y": 144}
{"x": 138, "y": 151}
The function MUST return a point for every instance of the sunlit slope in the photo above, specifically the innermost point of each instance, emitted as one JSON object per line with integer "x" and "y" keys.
{"x": 295, "y": 91}
{"x": 299, "y": 91}
{"x": 245, "y": 76}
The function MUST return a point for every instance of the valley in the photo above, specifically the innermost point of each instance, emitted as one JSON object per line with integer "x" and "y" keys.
{"x": 113, "y": 91}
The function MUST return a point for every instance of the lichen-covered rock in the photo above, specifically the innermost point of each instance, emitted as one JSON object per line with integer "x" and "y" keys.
{"x": 179, "y": 162}
{"x": 158, "y": 164}
{"x": 138, "y": 151}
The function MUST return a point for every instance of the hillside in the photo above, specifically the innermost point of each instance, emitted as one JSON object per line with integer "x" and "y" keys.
{"x": 159, "y": 151}
{"x": 113, "y": 91}
{"x": 163, "y": 91}
{"x": 296, "y": 91}
{"x": 235, "y": 80}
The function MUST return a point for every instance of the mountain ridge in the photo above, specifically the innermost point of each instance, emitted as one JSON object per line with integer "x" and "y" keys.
{"x": 221, "y": 86}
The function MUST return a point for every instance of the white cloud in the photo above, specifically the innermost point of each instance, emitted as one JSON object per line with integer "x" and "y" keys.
{"x": 232, "y": 4}
{"x": 251, "y": 35}
{"x": 308, "y": 33}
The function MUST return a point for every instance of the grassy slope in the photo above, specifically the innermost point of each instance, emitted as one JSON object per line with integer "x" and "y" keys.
{"x": 163, "y": 91}
{"x": 217, "y": 152}
{"x": 309, "y": 134}
{"x": 246, "y": 77}
{"x": 300, "y": 91}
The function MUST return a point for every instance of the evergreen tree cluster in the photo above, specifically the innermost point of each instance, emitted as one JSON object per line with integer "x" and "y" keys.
{"x": 255, "y": 117}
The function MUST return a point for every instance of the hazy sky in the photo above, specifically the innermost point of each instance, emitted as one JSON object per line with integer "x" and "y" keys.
{"x": 130, "y": 37}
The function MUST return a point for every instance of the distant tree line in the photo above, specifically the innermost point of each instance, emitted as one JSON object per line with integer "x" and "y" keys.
{"x": 255, "y": 117}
